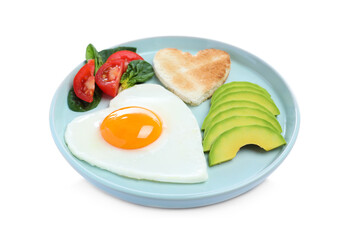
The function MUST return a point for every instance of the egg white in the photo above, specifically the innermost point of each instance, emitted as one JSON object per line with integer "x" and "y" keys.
{"x": 176, "y": 156}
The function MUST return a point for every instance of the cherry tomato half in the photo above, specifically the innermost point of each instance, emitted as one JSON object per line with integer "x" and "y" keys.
{"x": 84, "y": 82}
{"x": 126, "y": 55}
{"x": 108, "y": 76}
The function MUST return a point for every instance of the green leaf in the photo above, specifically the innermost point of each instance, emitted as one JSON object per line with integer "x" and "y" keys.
{"x": 77, "y": 105}
{"x": 91, "y": 53}
{"x": 138, "y": 71}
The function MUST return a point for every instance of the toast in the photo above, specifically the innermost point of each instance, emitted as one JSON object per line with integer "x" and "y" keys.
{"x": 193, "y": 78}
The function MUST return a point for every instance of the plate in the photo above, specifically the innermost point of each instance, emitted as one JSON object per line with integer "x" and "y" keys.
{"x": 228, "y": 180}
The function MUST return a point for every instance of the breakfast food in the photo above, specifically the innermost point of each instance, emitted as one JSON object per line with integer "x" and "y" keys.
{"x": 146, "y": 133}
{"x": 241, "y": 113}
{"x": 149, "y": 133}
{"x": 193, "y": 78}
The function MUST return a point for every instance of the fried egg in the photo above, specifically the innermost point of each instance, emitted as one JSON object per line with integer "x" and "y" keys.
{"x": 146, "y": 132}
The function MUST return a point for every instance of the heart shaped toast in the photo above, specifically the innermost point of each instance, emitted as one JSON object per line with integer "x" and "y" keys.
{"x": 193, "y": 78}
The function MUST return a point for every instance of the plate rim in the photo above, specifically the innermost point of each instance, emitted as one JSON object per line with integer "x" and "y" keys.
{"x": 260, "y": 176}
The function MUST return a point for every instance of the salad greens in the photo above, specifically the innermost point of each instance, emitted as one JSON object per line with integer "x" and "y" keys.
{"x": 138, "y": 71}
{"x": 77, "y": 105}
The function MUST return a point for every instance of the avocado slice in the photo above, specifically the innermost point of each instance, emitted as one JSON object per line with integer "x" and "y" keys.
{"x": 226, "y": 146}
{"x": 244, "y": 111}
{"x": 230, "y": 123}
{"x": 228, "y": 105}
{"x": 222, "y": 88}
{"x": 250, "y": 96}
{"x": 234, "y": 89}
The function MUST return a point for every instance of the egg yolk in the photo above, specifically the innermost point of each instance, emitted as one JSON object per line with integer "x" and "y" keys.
{"x": 131, "y": 128}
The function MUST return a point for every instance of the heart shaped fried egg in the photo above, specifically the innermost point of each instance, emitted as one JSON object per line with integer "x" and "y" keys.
{"x": 147, "y": 132}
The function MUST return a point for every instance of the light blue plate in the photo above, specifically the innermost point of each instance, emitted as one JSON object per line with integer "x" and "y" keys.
{"x": 249, "y": 168}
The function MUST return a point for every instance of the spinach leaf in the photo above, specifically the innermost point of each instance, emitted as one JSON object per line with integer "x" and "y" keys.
{"x": 91, "y": 53}
{"x": 138, "y": 71}
{"x": 108, "y": 52}
{"x": 77, "y": 105}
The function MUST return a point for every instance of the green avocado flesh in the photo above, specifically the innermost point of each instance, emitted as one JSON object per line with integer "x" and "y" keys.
{"x": 227, "y": 86}
{"x": 226, "y": 146}
{"x": 234, "y": 89}
{"x": 249, "y": 96}
{"x": 228, "y": 105}
{"x": 243, "y": 111}
{"x": 230, "y": 123}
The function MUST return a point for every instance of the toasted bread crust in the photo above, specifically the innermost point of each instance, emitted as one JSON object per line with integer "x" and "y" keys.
{"x": 194, "y": 78}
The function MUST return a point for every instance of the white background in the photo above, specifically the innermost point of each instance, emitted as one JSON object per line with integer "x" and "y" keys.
{"x": 307, "y": 42}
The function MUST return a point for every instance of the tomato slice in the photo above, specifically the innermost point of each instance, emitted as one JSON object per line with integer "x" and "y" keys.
{"x": 126, "y": 55}
{"x": 108, "y": 76}
{"x": 84, "y": 82}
